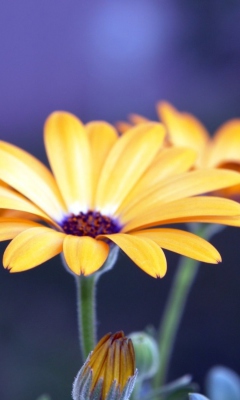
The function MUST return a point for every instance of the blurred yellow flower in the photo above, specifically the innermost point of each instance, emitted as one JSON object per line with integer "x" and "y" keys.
{"x": 220, "y": 151}
{"x": 185, "y": 130}
{"x": 107, "y": 189}
{"x": 109, "y": 372}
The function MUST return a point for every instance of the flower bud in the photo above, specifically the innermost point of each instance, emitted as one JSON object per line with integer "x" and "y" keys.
{"x": 109, "y": 372}
{"x": 146, "y": 354}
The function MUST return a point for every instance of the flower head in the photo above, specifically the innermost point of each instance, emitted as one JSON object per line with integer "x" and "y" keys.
{"x": 103, "y": 190}
{"x": 184, "y": 130}
{"x": 109, "y": 372}
{"x": 220, "y": 151}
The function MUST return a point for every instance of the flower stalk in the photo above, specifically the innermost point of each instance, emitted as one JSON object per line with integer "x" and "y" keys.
{"x": 173, "y": 312}
{"x": 86, "y": 310}
{"x": 181, "y": 286}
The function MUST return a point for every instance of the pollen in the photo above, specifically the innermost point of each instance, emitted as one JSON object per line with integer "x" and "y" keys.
{"x": 92, "y": 224}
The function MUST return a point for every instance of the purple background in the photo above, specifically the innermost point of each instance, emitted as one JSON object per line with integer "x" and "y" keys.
{"x": 103, "y": 60}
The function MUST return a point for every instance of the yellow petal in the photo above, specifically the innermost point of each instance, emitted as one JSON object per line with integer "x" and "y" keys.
{"x": 31, "y": 178}
{"x": 185, "y": 210}
{"x": 145, "y": 253}
{"x": 68, "y": 151}
{"x": 11, "y": 227}
{"x": 182, "y": 242}
{"x": 123, "y": 126}
{"x": 17, "y": 214}
{"x": 170, "y": 161}
{"x": 32, "y": 247}
{"x": 83, "y": 254}
{"x": 226, "y": 144}
{"x": 102, "y": 137}
{"x": 184, "y": 129}
{"x": 107, "y": 372}
{"x": 137, "y": 119}
{"x": 126, "y": 162}
{"x": 12, "y": 200}
{"x": 116, "y": 367}
{"x": 230, "y": 221}
{"x": 173, "y": 160}
{"x": 181, "y": 186}
{"x": 125, "y": 369}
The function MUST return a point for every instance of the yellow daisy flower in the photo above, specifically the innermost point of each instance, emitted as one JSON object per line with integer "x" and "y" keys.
{"x": 184, "y": 129}
{"x": 107, "y": 189}
{"x": 222, "y": 150}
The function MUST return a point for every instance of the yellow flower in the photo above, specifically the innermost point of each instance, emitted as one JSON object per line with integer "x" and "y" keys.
{"x": 109, "y": 372}
{"x": 107, "y": 189}
{"x": 185, "y": 130}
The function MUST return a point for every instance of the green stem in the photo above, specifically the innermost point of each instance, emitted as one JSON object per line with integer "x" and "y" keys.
{"x": 86, "y": 307}
{"x": 86, "y": 313}
{"x": 183, "y": 281}
{"x": 173, "y": 312}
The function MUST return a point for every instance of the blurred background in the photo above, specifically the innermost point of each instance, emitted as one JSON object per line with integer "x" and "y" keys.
{"x": 104, "y": 60}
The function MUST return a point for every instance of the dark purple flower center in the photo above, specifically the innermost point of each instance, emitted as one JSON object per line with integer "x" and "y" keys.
{"x": 92, "y": 223}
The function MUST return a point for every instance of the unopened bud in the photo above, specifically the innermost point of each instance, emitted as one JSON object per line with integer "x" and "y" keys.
{"x": 109, "y": 372}
{"x": 146, "y": 354}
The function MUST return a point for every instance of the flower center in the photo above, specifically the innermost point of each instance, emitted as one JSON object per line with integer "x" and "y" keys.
{"x": 92, "y": 223}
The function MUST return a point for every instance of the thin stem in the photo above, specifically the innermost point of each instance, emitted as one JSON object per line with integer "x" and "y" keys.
{"x": 173, "y": 312}
{"x": 86, "y": 307}
{"x": 86, "y": 313}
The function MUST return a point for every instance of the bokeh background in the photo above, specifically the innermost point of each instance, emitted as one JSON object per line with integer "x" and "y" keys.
{"x": 103, "y": 60}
